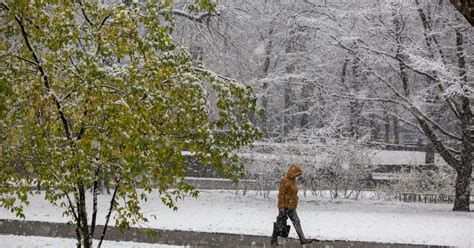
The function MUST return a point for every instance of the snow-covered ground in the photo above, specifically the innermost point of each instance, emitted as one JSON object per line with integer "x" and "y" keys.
{"x": 15, "y": 241}
{"x": 322, "y": 218}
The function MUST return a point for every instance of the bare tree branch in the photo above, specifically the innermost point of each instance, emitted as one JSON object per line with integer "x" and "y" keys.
{"x": 352, "y": 97}
{"x": 440, "y": 147}
{"x": 198, "y": 18}
{"x": 112, "y": 88}
{"x": 88, "y": 20}
{"x": 27, "y": 60}
{"x": 407, "y": 122}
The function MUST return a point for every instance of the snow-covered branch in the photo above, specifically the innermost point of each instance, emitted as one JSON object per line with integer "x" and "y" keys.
{"x": 44, "y": 76}
{"x": 353, "y": 97}
{"x": 415, "y": 110}
{"x": 197, "y": 18}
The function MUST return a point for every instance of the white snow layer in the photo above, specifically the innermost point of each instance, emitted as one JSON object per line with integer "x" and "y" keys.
{"x": 322, "y": 218}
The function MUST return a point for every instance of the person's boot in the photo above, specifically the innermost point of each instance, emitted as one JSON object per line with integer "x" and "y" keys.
{"x": 300, "y": 233}
{"x": 274, "y": 241}
{"x": 306, "y": 241}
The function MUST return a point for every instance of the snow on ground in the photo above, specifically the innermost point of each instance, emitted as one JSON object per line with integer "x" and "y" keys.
{"x": 15, "y": 241}
{"x": 322, "y": 218}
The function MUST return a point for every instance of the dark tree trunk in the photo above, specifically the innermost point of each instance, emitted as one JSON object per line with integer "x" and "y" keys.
{"x": 265, "y": 70}
{"x": 400, "y": 55}
{"x": 86, "y": 239}
{"x": 290, "y": 49}
{"x": 306, "y": 92}
{"x": 78, "y": 233}
{"x": 464, "y": 171}
{"x": 355, "y": 106}
{"x": 429, "y": 153}
{"x": 344, "y": 72}
{"x": 466, "y": 7}
{"x": 462, "y": 188}
{"x": 286, "y": 117}
{"x": 387, "y": 128}
{"x": 355, "y": 109}
{"x": 95, "y": 192}
{"x": 399, "y": 52}
{"x": 375, "y": 130}
{"x": 396, "y": 130}
{"x": 265, "y": 107}
{"x": 404, "y": 75}
{"x": 430, "y": 37}
{"x": 109, "y": 213}
{"x": 463, "y": 163}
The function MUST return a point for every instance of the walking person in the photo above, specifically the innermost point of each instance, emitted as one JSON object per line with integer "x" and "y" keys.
{"x": 287, "y": 203}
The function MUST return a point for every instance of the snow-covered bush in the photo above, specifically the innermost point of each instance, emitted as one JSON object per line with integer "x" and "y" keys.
{"x": 341, "y": 167}
{"x": 343, "y": 171}
{"x": 385, "y": 191}
{"x": 340, "y": 181}
{"x": 264, "y": 172}
{"x": 358, "y": 179}
{"x": 416, "y": 179}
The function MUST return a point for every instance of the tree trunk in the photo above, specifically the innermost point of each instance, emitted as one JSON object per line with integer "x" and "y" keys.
{"x": 396, "y": 130}
{"x": 466, "y": 7}
{"x": 290, "y": 68}
{"x": 463, "y": 166}
{"x": 265, "y": 107}
{"x": 344, "y": 72}
{"x": 375, "y": 131}
{"x": 387, "y": 128}
{"x": 429, "y": 153}
{"x": 78, "y": 234}
{"x": 95, "y": 191}
{"x": 286, "y": 118}
{"x": 464, "y": 171}
{"x": 109, "y": 213}
{"x": 355, "y": 106}
{"x": 397, "y": 22}
{"x": 266, "y": 68}
{"x": 86, "y": 240}
{"x": 306, "y": 92}
{"x": 427, "y": 29}
{"x": 462, "y": 187}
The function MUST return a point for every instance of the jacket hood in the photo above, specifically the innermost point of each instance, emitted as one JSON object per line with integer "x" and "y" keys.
{"x": 294, "y": 171}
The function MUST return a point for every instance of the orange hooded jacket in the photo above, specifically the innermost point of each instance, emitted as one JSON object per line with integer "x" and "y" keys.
{"x": 288, "y": 192}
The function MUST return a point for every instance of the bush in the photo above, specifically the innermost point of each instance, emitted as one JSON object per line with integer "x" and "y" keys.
{"x": 343, "y": 172}
{"x": 420, "y": 180}
{"x": 341, "y": 168}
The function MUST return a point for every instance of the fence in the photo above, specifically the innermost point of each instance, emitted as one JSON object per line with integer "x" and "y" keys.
{"x": 427, "y": 197}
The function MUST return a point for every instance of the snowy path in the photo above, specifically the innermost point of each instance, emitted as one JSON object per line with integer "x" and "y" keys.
{"x": 15, "y": 241}
{"x": 225, "y": 212}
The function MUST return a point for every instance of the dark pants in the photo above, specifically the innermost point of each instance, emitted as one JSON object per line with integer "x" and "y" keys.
{"x": 283, "y": 217}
